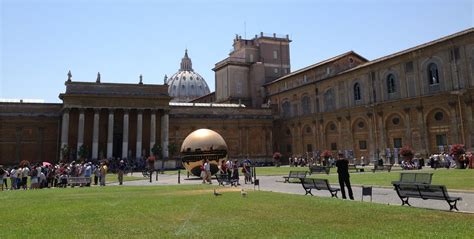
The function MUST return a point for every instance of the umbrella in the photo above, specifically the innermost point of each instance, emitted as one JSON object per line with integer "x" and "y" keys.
{"x": 46, "y": 164}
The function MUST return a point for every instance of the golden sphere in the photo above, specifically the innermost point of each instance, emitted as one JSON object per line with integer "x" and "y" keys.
{"x": 200, "y": 145}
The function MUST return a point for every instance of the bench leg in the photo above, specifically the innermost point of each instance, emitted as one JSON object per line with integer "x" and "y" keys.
{"x": 333, "y": 194}
{"x": 308, "y": 191}
{"x": 405, "y": 202}
{"x": 452, "y": 205}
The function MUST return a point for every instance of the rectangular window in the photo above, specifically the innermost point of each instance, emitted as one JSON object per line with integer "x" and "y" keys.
{"x": 275, "y": 54}
{"x": 397, "y": 143}
{"x": 362, "y": 144}
{"x": 305, "y": 79}
{"x": 275, "y": 70}
{"x": 333, "y": 146}
{"x": 409, "y": 67}
{"x": 309, "y": 148}
{"x": 441, "y": 140}
{"x": 251, "y": 57}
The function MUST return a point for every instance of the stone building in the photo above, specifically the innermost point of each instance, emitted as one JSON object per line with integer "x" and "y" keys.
{"x": 421, "y": 97}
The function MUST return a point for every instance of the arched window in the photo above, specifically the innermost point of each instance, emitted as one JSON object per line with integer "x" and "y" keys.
{"x": 391, "y": 88}
{"x": 306, "y": 105}
{"x": 357, "y": 91}
{"x": 329, "y": 104}
{"x": 433, "y": 75}
{"x": 286, "y": 109}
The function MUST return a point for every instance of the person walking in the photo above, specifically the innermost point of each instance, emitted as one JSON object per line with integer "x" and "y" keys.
{"x": 3, "y": 173}
{"x": 235, "y": 171}
{"x": 13, "y": 178}
{"x": 121, "y": 170}
{"x": 343, "y": 173}
{"x": 207, "y": 170}
{"x": 103, "y": 173}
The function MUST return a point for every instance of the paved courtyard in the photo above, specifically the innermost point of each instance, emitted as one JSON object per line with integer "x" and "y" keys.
{"x": 383, "y": 195}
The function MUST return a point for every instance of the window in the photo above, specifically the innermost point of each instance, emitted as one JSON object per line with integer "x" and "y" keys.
{"x": 357, "y": 91}
{"x": 332, "y": 127}
{"x": 361, "y": 125}
{"x": 433, "y": 74}
{"x": 251, "y": 57}
{"x": 441, "y": 139}
{"x": 329, "y": 104}
{"x": 409, "y": 67}
{"x": 333, "y": 146}
{"x": 275, "y": 70}
{"x": 275, "y": 54}
{"x": 306, "y": 105}
{"x": 397, "y": 143}
{"x": 308, "y": 130}
{"x": 286, "y": 109}
{"x": 439, "y": 116}
{"x": 362, "y": 144}
{"x": 391, "y": 84}
{"x": 305, "y": 79}
{"x": 309, "y": 148}
{"x": 395, "y": 120}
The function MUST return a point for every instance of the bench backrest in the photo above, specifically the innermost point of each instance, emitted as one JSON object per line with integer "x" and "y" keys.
{"x": 298, "y": 174}
{"x": 407, "y": 189}
{"x": 424, "y": 178}
{"x": 307, "y": 182}
{"x": 321, "y": 184}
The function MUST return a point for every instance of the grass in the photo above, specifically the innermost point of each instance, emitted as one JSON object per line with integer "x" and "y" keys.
{"x": 452, "y": 178}
{"x": 191, "y": 211}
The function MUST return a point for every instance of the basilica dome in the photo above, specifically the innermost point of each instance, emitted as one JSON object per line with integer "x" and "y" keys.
{"x": 186, "y": 84}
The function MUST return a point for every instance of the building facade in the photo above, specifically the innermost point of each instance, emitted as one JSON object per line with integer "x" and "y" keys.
{"x": 421, "y": 97}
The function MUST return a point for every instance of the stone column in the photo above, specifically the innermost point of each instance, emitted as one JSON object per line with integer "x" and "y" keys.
{"x": 382, "y": 133}
{"x": 454, "y": 122}
{"x": 469, "y": 130}
{"x": 138, "y": 154}
{"x": 322, "y": 141}
{"x": 271, "y": 141}
{"x": 339, "y": 134}
{"x": 350, "y": 140}
{"x": 110, "y": 134}
{"x": 80, "y": 131}
{"x": 371, "y": 139}
{"x": 314, "y": 130}
{"x": 95, "y": 135}
{"x": 64, "y": 130}
{"x": 247, "y": 140}
{"x": 165, "y": 134}
{"x": 152, "y": 129}
{"x": 423, "y": 134}
{"x": 125, "y": 134}
{"x": 408, "y": 126}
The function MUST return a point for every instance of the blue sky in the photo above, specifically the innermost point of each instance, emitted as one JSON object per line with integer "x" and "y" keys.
{"x": 41, "y": 40}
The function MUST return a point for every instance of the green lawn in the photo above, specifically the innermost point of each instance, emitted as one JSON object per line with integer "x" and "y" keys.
{"x": 192, "y": 211}
{"x": 452, "y": 178}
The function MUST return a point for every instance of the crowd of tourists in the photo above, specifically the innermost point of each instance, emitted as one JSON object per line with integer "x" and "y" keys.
{"x": 230, "y": 169}
{"x": 46, "y": 175}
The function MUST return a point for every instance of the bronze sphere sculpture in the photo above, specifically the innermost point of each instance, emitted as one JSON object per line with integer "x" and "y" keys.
{"x": 203, "y": 144}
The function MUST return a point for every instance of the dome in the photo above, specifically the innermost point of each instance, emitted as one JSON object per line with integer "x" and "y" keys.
{"x": 186, "y": 84}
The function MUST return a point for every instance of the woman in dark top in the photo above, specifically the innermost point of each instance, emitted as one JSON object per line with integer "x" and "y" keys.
{"x": 343, "y": 173}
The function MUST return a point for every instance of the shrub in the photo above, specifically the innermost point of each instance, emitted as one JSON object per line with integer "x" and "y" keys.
{"x": 276, "y": 155}
{"x": 457, "y": 149}
{"x": 326, "y": 154}
{"x": 407, "y": 152}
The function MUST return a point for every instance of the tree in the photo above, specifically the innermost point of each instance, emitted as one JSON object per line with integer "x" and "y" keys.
{"x": 156, "y": 150}
{"x": 172, "y": 149}
{"x": 456, "y": 151}
{"x": 65, "y": 152}
{"x": 83, "y": 152}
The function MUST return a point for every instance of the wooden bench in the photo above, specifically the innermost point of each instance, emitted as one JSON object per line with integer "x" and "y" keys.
{"x": 382, "y": 168}
{"x": 355, "y": 168}
{"x": 223, "y": 179}
{"x": 319, "y": 169}
{"x": 295, "y": 175}
{"x": 78, "y": 181}
{"x": 318, "y": 184}
{"x": 425, "y": 191}
{"x": 421, "y": 178}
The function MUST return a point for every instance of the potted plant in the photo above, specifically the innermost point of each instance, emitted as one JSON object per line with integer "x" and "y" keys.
{"x": 277, "y": 157}
{"x": 155, "y": 152}
{"x": 326, "y": 155}
{"x": 407, "y": 153}
{"x": 83, "y": 152}
{"x": 457, "y": 150}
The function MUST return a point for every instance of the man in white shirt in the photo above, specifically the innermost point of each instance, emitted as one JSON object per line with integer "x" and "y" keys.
{"x": 24, "y": 177}
{"x": 207, "y": 169}
{"x": 13, "y": 177}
